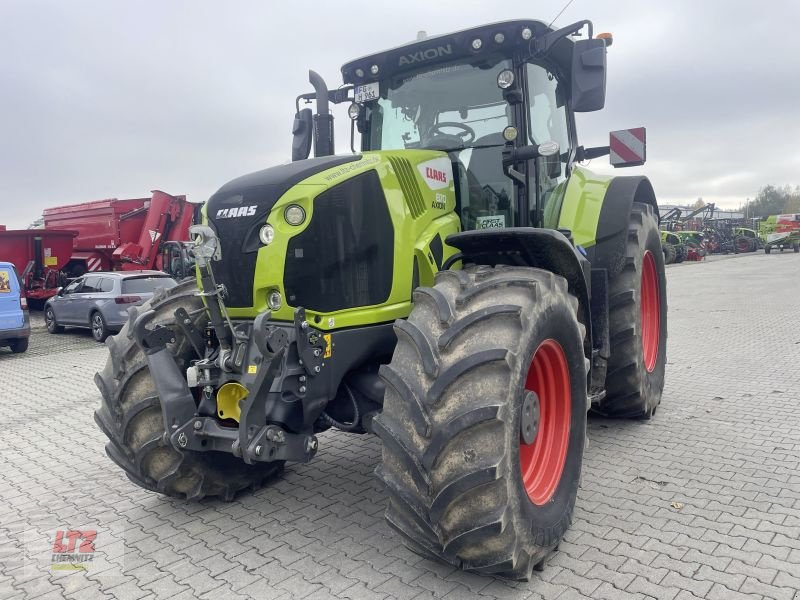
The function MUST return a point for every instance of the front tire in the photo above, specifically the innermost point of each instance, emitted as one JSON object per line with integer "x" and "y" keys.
{"x": 50, "y": 321}
{"x": 476, "y": 352}
{"x": 99, "y": 327}
{"x": 130, "y": 415}
{"x": 637, "y": 323}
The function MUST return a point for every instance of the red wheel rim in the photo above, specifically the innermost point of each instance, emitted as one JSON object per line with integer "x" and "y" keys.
{"x": 542, "y": 461}
{"x": 651, "y": 311}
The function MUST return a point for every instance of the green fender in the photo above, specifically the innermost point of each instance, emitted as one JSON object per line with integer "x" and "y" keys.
{"x": 596, "y": 209}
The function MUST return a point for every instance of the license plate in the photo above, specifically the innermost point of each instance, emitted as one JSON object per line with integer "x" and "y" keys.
{"x": 367, "y": 92}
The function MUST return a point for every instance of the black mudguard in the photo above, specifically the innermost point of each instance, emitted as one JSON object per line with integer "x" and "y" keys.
{"x": 533, "y": 247}
{"x": 612, "y": 227}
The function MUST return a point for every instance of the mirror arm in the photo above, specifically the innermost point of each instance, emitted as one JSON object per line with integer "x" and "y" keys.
{"x": 544, "y": 44}
{"x": 582, "y": 154}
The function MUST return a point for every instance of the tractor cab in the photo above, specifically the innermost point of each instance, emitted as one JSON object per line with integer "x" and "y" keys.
{"x": 500, "y": 99}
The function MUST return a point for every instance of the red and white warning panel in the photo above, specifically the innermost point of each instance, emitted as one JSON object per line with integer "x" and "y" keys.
{"x": 628, "y": 147}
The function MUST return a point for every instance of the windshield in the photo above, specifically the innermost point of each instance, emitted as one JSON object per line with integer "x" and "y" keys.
{"x": 457, "y": 108}
{"x": 412, "y": 112}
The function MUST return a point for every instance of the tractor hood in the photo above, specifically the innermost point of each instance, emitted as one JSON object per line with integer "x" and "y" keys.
{"x": 240, "y": 207}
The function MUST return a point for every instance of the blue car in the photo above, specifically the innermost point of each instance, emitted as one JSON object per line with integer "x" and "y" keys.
{"x": 100, "y": 301}
{"x": 15, "y": 324}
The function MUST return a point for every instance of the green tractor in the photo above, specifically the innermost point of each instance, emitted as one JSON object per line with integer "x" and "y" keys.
{"x": 458, "y": 286}
{"x": 674, "y": 249}
{"x": 746, "y": 239}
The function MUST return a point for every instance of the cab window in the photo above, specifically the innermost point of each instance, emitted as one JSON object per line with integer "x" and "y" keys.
{"x": 548, "y": 122}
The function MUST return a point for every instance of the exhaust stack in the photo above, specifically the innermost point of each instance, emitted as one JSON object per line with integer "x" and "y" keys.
{"x": 323, "y": 120}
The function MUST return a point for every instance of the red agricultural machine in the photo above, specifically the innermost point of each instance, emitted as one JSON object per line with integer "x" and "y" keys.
{"x": 103, "y": 235}
{"x": 122, "y": 235}
{"x": 39, "y": 256}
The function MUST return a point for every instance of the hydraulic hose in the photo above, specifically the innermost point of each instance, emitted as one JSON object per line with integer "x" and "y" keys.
{"x": 356, "y": 414}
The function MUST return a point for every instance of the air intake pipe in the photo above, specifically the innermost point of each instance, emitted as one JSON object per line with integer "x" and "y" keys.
{"x": 323, "y": 120}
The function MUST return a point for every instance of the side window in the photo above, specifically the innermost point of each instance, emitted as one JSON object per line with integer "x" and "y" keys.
{"x": 73, "y": 287}
{"x": 548, "y": 113}
{"x": 91, "y": 285}
{"x": 548, "y": 122}
{"x": 106, "y": 284}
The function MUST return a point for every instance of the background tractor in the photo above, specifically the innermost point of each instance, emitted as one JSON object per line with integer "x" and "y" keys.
{"x": 674, "y": 249}
{"x": 458, "y": 285}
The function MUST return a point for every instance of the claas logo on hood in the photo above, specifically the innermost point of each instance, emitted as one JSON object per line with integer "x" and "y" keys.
{"x": 239, "y": 211}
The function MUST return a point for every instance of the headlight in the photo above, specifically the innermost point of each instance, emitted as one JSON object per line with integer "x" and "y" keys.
{"x": 527, "y": 33}
{"x": 359, "y": 72}
{"x": 294, "y": 214}
{"x": 505, "y": 79}
{"x": 266, "y": 234}
{"x": 374, "y": 69}
{"x": 274, "y": 300}
{"x": 477, "y": 43}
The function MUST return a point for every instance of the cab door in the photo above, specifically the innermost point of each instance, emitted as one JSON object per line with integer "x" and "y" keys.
{"x": 549, "y": 120}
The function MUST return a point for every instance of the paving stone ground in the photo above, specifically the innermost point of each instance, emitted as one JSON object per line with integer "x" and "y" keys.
{"x": 701, "y": 502}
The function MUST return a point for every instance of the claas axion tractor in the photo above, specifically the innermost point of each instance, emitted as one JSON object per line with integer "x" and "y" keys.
{"x": 458, "y": 286}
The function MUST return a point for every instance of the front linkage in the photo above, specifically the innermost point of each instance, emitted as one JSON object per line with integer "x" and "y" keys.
{"x": 271, "y": 362}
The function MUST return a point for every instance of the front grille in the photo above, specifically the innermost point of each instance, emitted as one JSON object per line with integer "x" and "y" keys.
{"x": 344, "y": 258}
{"x": 408, "y": 184}
{"x": 239, "y": 246}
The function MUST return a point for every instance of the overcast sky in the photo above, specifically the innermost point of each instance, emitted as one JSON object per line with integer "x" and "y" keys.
{"x": 112, "y": 99}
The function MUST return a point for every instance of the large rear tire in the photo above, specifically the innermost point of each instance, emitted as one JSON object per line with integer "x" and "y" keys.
{"x": 130, "y": 415}
{"x": 637, "y": 323}
{"x": 475, "y": 478}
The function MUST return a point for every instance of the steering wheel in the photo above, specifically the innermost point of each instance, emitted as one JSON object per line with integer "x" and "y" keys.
{"x": 465, "y": 136}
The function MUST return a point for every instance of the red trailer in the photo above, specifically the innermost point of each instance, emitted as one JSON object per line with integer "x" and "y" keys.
{"x": 39, "y": 256}
{"x": 122, "y": 235}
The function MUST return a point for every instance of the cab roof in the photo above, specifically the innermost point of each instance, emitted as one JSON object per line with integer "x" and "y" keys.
{"x": 502, "y": 37}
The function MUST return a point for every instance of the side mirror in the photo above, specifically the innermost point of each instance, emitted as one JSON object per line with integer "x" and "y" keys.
{"x": 60, "y": 291}
{"x": 301, "y": 134}
{"x": 588, "y": 90}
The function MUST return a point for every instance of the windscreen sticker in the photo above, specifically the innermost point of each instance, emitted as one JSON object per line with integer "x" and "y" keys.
{"x": 5, "y": 282}
{"x": 491, "y": 222}
{"x": 437, "y": 173}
